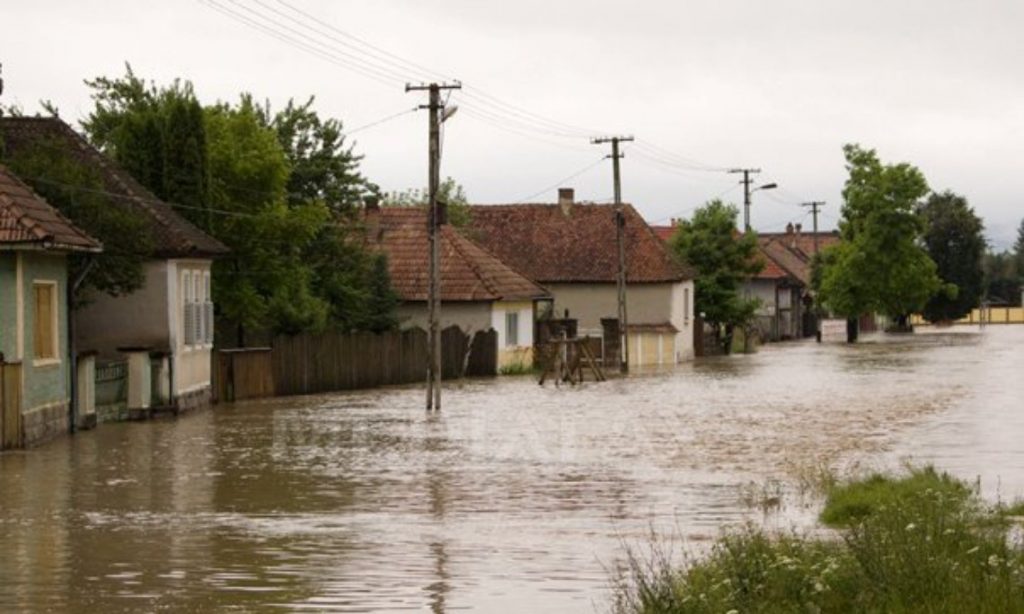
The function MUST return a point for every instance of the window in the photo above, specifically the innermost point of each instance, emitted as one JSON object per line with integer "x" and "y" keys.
{"x": 511, "y": 329}
{"x": 686, "y": 304}
{"x": 44, "y": 322}
{"x": 197, "y": 307}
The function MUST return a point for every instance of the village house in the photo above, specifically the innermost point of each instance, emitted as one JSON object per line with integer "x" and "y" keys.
{"x": 784, "y": 285}
{"x": 171, "y": 315}
{"x": 478, "y": 291}
{"x": 570, "y": 249}
{"x": 35, "y": 356}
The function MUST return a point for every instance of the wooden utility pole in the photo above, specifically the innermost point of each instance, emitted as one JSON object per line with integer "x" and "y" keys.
{"x": 815, "y": 205}
{"x": 747, "y": 172}
{"x": 434, "y": 221}
{"x": 620, "y": 238}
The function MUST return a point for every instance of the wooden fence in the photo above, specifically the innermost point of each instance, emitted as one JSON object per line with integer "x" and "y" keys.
{"x": 243, "y": 374}
{"x": 11, "y": 431}
{"x": 327, "y": 362}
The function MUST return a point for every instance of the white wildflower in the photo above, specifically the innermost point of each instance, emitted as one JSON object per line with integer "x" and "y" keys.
{"x": 972, "y": 550}
{"x": 911, "y": 527}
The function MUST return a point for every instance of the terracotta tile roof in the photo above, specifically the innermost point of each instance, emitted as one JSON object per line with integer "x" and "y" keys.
{"x": 549, "y": 246}
{"x": 803, "y": 242}
{"x": 664, "y": 232}
{"x": 27, "y": 219}
{"x": 468, "y": 272}
{"x": 173, "y": 236}
{"x": 771, "y": 269}
{"x": 783, "y": 252}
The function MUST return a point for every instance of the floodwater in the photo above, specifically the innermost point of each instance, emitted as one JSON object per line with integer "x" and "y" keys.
{"x": 515, "y": 498}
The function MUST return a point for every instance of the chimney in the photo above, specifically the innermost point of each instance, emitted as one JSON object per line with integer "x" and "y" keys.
{"x": 789, "y": 228}
{"x": 566, "y": 196}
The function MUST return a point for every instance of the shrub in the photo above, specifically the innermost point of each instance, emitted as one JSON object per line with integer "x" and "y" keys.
{"x": 923, "y": 542}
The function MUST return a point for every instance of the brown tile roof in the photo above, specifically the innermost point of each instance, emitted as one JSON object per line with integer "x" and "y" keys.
{"x": 803, "y": 242}
{"x": 173, "y": 236}
{"x": 771, "y": 269}
{"x": 664, "y": 232}
{"x": 781, "y": 258}
{"x": 468, "y": 272}
{"x": 549, "y": 246}
{"x": 27, "y": 219}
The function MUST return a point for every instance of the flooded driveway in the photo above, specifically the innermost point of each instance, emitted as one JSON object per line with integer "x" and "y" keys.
{"x": 515, "y": 498}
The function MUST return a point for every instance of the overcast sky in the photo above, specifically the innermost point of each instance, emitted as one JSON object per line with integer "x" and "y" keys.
{"x": 779, "y": 85}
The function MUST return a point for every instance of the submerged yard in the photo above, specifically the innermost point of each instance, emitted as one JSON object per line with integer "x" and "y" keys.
{"x": 514, "y": 498}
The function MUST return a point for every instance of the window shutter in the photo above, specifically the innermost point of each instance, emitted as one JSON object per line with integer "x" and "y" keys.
{"x": 190, "y": 329}
{"x": 208, "y": 312}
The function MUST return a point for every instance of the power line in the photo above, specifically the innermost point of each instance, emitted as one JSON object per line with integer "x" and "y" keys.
{"x": 527, "y": 199}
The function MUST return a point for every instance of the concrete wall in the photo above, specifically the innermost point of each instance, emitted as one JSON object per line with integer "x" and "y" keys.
{"x": 645, "y": 304}
{"x": 138, "y": 319}
{"x": 470, "y": 317}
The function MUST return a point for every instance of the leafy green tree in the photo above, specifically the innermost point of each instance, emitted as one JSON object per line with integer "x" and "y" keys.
{"x": 723, "y": 259}
{"x": 1002, "y": 278}
{"x": 955, "y": 241}
{"x": 1019, "y": 247}
{"x": 323, "y": 167}
{"x": 879, "y": 266}
{"x": 449, "y": 191}
{"x": 77, "y": 191}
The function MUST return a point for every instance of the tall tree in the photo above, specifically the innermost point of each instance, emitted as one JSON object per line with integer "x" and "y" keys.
{"x": 1019, "y": 248}
{"x": 954, "y": 239}
{"x": 723, "y": 258}
{"x": 1003, "y": 278}
{"x": 880, "y": 265}
{"x": 449, "y": 192}
{"x": 77, "y": 191}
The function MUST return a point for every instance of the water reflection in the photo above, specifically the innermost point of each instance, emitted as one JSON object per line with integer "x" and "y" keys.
{"x": 515, "y": 497}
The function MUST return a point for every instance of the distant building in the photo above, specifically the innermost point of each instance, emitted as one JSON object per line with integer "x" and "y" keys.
{"x": 478, "y": 290}
{"x": 784, "y": 285}
{"x": 35, "y": 240}
{"x": 173, "y": 311}
{"x": 570, "y": 249}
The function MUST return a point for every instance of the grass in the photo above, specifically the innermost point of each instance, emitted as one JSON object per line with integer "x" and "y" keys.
{"x": 516, "y": 368}
{"x": 919, "y": 542}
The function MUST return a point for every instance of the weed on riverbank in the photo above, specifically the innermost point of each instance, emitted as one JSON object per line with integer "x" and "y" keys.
{"x": 920, "y": 542}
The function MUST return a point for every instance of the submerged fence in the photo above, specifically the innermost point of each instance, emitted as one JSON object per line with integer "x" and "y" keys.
{"x": 327, "y": 362}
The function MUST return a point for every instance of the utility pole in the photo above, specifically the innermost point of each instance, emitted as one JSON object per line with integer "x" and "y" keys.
{"x": 747, "y": 172}
{"x": 434, "y": 222}
{"x": 815, "y": 205}
{"x": 620, "y": 238}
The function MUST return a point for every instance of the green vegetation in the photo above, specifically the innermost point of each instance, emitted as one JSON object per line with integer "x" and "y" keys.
{"x": 954, "y": 238}
{"x": 723, "y": 258}
{"x": 281, "y": 189}
{"x": 849, "y": 503}
{"x": 880, "y": 265}
{"x": 450, "y": 192}
{"x": 923, "y": 542}
{"x": 516, "y": 368}
{"x": 77, "y": 190}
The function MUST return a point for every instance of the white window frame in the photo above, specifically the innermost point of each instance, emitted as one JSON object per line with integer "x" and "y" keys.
{"x": 54, "y": 323}
{"x": 511, "y": 329}
{"x": 188, "y": 315}
{"x": 686, "y": 305}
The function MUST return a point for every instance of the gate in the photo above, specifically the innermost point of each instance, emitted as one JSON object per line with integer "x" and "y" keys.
{"x": 10, "y": 406}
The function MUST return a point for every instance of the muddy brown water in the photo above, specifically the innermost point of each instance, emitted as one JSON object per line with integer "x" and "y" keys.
{"x": 515, "y": 498}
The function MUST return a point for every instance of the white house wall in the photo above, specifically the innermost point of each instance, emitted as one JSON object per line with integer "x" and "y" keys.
{"x": 645, "y": 303}
{"x": 470, "y": 317}
{"x": 192, "y": 364}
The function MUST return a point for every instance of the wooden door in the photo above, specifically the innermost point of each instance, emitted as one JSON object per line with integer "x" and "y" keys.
{"x": 10, "y": 406}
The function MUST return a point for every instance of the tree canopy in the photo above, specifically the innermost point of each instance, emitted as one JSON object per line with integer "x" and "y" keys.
{"x": 954, "y": 239}
{"x": 880, "y": 265}
{"x": 723, "y": 258}
{"x": 281, "y": 189}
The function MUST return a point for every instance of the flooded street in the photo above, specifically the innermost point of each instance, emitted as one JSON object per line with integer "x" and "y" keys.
{"x": 515, "y": 498}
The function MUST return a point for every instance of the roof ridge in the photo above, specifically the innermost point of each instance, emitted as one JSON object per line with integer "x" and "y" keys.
{"x": 473, "y": 265}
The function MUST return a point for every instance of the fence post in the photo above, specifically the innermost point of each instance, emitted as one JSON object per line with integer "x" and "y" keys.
{"x": 86, "y": 390}
{"x": 140, "y": 373}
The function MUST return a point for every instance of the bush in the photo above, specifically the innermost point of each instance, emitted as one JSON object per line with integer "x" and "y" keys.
{"x": 920, "y": 543}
